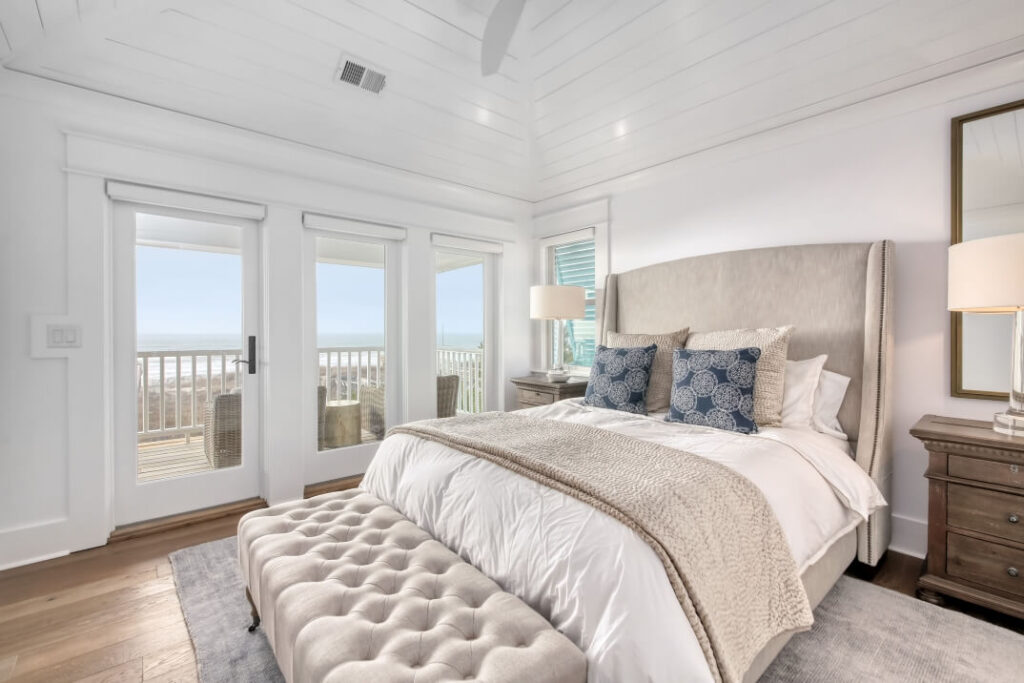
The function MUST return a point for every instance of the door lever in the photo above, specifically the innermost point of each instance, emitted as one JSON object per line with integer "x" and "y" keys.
{"x": 251, "y": 361}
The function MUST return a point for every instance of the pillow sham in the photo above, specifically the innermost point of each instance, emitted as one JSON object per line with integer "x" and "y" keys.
{"x": 827, "y": 401}
{"x": 771, "y": 367}
{"x": 801, "y": 386}
{"x": 660, "y": 387}
{"x": 619, "y": 378}
{"x": 715, "y": 388}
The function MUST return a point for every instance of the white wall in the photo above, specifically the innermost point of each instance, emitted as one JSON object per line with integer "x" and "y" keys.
{"x": 878, "y": 170}
{"x": 58, "y": 142}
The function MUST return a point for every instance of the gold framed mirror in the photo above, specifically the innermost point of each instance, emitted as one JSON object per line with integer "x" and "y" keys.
{"x": 987, "y": 200}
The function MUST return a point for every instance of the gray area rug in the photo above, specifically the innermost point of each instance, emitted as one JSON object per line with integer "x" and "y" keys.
{"x": 212, "y": 596}
{"x": 861, "y": 633}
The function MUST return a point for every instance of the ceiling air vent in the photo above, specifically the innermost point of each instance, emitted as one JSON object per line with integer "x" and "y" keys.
{"x": 360, "y": 75}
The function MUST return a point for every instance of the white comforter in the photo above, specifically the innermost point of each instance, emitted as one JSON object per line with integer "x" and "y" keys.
{"x": 593, "y": 578}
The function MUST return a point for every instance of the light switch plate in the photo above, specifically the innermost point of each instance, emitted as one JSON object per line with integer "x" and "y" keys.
{"x": 63, "y": 336}
{"x": 55, "y": 336}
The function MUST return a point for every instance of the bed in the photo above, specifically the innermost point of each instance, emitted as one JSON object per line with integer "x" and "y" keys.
{"x": 594, "y": 578}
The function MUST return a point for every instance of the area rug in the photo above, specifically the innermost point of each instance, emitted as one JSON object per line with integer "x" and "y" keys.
{"x": 861, "y": 633}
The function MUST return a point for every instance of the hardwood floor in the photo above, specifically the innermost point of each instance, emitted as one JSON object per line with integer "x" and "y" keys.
{"x": 106, "y": 614}
{"x": 112, "y": 614}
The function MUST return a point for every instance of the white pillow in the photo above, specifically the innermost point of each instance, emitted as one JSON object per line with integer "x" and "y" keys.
{"x": 827, "y": 401}
{"x": 801, "y": 385}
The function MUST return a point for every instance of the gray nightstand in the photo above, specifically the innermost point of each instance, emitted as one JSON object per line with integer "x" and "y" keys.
{"x": 536, "y": 390}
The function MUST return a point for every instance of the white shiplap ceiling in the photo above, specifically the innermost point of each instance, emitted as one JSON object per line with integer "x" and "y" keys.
{"x": 590, "y": 89}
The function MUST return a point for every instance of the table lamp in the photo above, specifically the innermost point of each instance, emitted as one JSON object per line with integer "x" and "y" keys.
{"x": 987, "y": 276}
{"x": 559, "y": 303}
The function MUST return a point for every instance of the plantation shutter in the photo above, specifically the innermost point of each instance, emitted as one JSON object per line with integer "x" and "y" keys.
{"x": 574, "y": 264}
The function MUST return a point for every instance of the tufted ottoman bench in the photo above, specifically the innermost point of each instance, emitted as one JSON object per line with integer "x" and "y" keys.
{"x": 350, "y": 590}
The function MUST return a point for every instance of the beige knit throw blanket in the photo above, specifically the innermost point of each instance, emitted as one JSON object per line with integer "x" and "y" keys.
{"x": 721, "y": 545}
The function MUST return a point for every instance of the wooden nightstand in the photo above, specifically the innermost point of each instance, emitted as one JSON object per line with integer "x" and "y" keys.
{"x": 536, "y": 390}
{"x": 975, "y": 514}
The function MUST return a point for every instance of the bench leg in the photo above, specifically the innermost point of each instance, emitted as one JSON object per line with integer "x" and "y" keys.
{"x": 255, "y": 615}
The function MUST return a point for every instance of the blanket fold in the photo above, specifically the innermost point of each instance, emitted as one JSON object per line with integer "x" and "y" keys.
{"x": 722, "y": 548}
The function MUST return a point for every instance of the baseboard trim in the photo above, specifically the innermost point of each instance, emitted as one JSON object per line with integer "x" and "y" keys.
{"x": 332, "y": 485}
{"x": 909, "y": 536}
{"x": 156, "y": 526}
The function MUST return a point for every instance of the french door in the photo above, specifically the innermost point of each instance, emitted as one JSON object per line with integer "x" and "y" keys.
{"x": 186, "y": 349}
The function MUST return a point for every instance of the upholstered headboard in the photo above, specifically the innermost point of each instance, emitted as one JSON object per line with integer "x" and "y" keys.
{"x": 838, "y": 297}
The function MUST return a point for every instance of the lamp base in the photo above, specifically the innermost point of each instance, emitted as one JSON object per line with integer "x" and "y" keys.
{"x": 1010, "y": 423}
{"x": 557, "y": 376}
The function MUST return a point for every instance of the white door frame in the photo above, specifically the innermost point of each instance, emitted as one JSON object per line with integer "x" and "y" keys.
{"x": 134, "y": 501}
{"x": 348, "y": 461}
{"x": 491, "y": 313}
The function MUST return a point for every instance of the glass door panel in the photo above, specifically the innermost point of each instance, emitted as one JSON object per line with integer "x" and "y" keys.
{"x": 460, "y": 323}
{"x": 188, "y": 290}
{"x": 351, "y": 318}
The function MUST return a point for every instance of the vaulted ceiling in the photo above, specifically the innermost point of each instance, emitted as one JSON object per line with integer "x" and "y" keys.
{"x": 590, "y": 89}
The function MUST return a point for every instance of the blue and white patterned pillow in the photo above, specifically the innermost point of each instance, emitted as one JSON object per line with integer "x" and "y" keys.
{"x": 619, "y": 378}
{"x": 714, "y": 388}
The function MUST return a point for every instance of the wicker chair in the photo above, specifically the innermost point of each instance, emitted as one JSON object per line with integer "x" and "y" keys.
{"x": 371, "y": 401}
{"x": 447, "y": 395}
{"x": 222, "y": 431}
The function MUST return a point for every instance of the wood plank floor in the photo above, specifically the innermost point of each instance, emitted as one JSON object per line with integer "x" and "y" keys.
{"x": 178, "y": 457}
{"x": 172, "y": 458}
{"x": 112, "y": 614}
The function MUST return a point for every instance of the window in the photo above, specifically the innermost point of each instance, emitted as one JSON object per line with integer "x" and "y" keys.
{"x": 574, "y": 263}
{"x": 461, "y": 322}
{"x": 351, "y": 317}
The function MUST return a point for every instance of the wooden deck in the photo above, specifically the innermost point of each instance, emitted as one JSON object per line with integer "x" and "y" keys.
{"x": 176, "y": 458}
{"x": 172, "y": 458}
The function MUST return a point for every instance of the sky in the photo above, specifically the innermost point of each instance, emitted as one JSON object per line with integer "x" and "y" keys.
{"x": 186, "y": 292}
{"x": 182, "y": 291}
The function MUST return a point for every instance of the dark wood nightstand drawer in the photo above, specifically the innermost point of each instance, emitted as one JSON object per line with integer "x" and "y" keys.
{"x": 534, "y": 398}
{"x": 989, "y": 471}
{"x": 989, "y": 564}
{"x": 988, "y": 512}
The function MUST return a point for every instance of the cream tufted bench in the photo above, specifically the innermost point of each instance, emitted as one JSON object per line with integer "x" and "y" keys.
{"x": 350, "y": 590}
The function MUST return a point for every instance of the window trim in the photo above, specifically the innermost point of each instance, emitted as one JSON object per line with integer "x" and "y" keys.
{"x": 597, "y": 232}
{"x": 339, "y": 462}
{"x": 492, "y": 308}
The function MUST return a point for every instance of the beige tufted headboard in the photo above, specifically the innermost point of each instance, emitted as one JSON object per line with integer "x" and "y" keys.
{"x": 838, "y": 297}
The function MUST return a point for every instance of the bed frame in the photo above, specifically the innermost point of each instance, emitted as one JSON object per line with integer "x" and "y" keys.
{"x": 838, "y": 297}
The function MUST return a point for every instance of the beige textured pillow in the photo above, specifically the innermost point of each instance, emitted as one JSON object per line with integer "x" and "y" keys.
{"x": 659, "y": 390}
{"x": 770, "y": 382}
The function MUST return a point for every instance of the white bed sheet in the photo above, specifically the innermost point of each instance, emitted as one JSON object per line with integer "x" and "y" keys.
{"x": 593, "y": 578}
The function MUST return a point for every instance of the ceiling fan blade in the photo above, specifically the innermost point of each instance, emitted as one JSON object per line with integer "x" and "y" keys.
{"x": 498, "y": 34}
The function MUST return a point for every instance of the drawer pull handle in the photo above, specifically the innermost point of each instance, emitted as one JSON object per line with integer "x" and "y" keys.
{"x": 1013, "y": 519}
{"x": 1012, "y": 571}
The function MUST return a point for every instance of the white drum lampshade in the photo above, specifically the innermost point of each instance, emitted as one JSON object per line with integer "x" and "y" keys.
{"x": 987, "y": 276}
{"x": 557, "y": 302}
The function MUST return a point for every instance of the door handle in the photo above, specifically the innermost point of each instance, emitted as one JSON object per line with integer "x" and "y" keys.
{"x": 251, "y": 361}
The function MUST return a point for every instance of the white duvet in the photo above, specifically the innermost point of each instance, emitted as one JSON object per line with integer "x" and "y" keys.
{"x": 593, "y": 578}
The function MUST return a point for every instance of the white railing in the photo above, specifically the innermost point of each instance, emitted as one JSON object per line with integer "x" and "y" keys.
{"x": 343, "y": 369}
{"x": 174, "y": 386}
{"x": 468, "y": 364}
